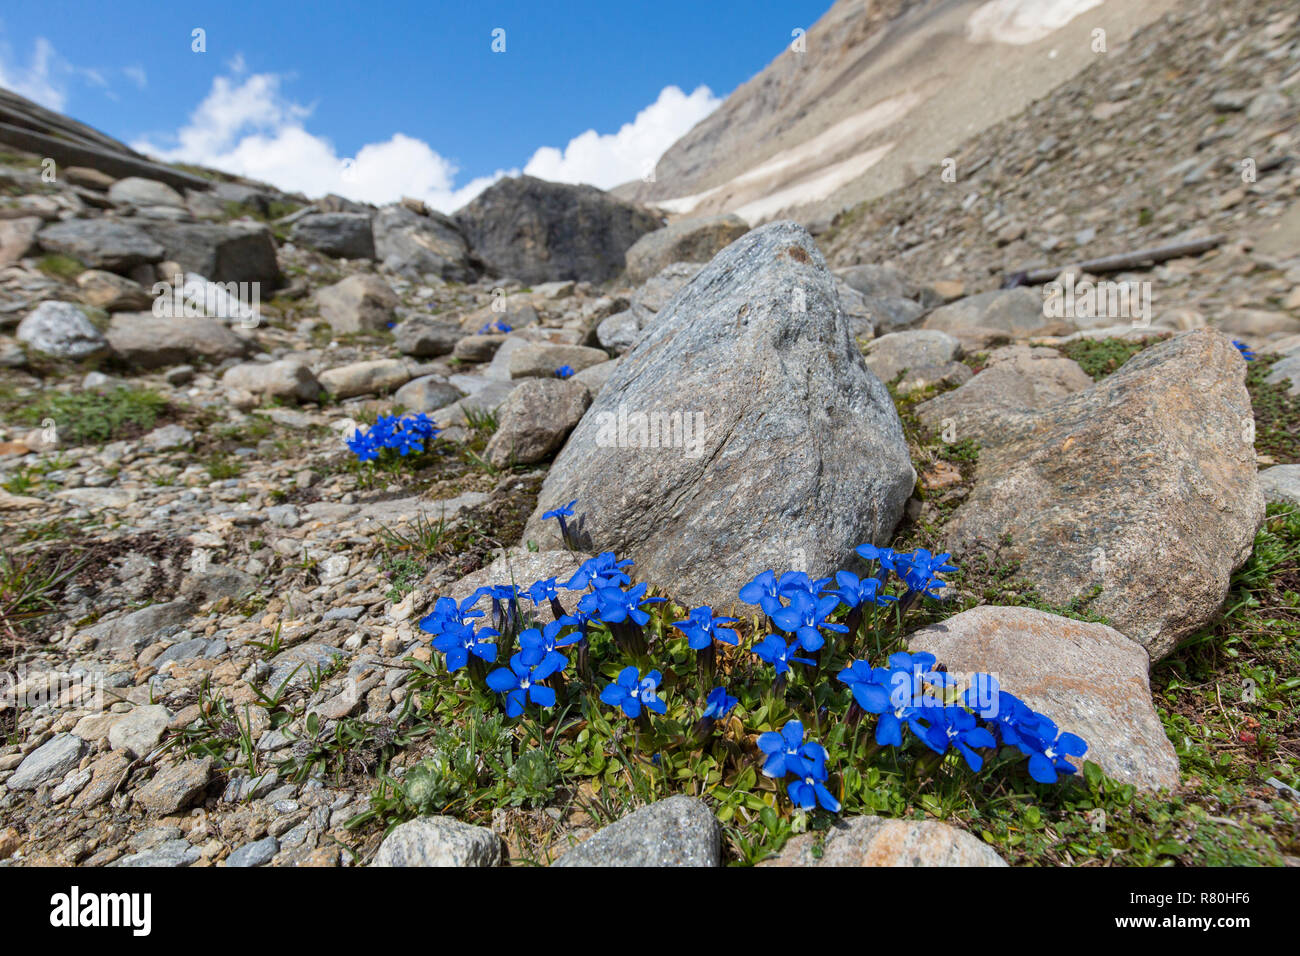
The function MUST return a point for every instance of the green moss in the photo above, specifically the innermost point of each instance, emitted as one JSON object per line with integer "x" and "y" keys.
{"x": 1277, "y": 414}
{"x": 1101, "y": 357}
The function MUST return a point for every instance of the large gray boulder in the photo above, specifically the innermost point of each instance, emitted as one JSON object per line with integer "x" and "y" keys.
{"x": 344, "y": 235}
{"x": 686, "y": 240}
{"x": 743, "y": 432}
{"x": 145, "y": 341}
{"x": 1018, "y": 311}
{"x": 1141, "y": 488}
{"x": 425, "y": 336}
{"x": 415, "y": 245}
{"x": 221, "y": 252}
{"x": 136, "y": 191}
{"x": 361, "y": 302}
{"x": 62, "y": 330}
{"x": 101, "y": 243}
{"x": 539, "y": 231}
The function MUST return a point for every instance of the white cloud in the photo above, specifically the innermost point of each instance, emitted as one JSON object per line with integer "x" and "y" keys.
{"x": 136, "y": 75}
{"x": 613, "y": 158}
{"x": 41, "y": 80}
{"x": 249, "y": 127}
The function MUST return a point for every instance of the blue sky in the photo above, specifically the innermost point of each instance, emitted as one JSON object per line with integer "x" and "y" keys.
{"x": 385, "y": 99}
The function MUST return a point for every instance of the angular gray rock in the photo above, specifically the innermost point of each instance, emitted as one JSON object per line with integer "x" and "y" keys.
{"x": 286, "y": 379}
{"x": 378, "y": 376}
{"x": 416, "y": 245}
{"x": 358, "y": 303}
{"x": 1281, "y": 484}
{"x": 344, "y": 235}
{"x": 879, "y": 281}
{"x": 175, "y": 787}
{"x": 534, "y": 421}
{"x": 112, "y": 292}
{"x": 145, "y": 341}
{"x": 439, "y": 841}
{"x": 427, "y": 394}
{"x": 135, "y": 191}
{"x": 236, "y": 251}
{"x": 424, "y": 336}
{"x": 1018, "y": 311}
{"x": 101, "y": 243}
{"x": 1016, "y": 381}
{"x": 542, "y": 361}
{"x": 876, "y": 841}
{"x": 17, "y": 237}
{"x": 1089, "y": 679}
{"x": 891, "y": 354}
{"x": 539, "y": 231}
{"x": 139, "y": 731}
{"x": 254, "y": 854}
{"x": 62, "y": 330}
{"x": 686, "y": 240}
{"x": 743, "y": 432}
{"x": 133, "y": 631}
{"x": 48, "y": 763}
{"x": 678, "y": 831}
{"x": 1143, "y": 485}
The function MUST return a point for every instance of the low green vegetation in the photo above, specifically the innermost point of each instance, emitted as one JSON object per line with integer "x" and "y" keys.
{"x": 1101, "y": 357}
{"x": 88, "y": 417}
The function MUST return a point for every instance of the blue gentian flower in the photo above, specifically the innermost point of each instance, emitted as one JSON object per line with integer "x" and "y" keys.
{"x": 447, "y": 614}
{"x": 564, "y": 511}
{"x": 631, "y": 692}
{"x": 719, "y": 703}
{"x": 810, "y": 789}
{"x": 888, "y": 558}
{"x": 1245, "y": 351}
{"x": 614, "y": 605}
{"x": 857, "y": 592}
{"x": 919, "y": 573}
{"x": 363, "y": 446}
{"x": 701, "y": 628}
{"x": 1047, "y": 749}
{"x": 564, "y": 371}
{"x": 459, "y": 642}
{"x": 955, "y": 726}
{"x": 782, "y": 750}
{"x": 805, "y": 615}
{"x": 602, "y": 571}
{"x": 870, "y": 686}
{"x": 520, "y": 682}
{"x": 776, "y": 652}
{"x": 543, "y": 590}
{"x": 763, "y": 592}
{"x": 539, "y": 646}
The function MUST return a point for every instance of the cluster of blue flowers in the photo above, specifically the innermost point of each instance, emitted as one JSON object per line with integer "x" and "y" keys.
{"x": 564, "y": 371}
{"x": 403, "y": 435}
{"x": 497, "y": 326}
{"x": 910, "y": 695}
{"x": 1244, "y": 349}
{"x": 788, "y": 755}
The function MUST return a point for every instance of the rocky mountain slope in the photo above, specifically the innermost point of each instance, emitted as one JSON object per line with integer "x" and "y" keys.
{"x": 874, "y": 92}
{"x": 218, "y": 592}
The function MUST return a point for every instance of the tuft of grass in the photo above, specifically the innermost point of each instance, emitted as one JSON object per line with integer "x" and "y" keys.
{"x": 1101, "y": 357}
{"x": 1277, "y": 414}
{"x": 29, "y": 587}
{"x": 59, "y": 266}
{"x": 95, "y": 417}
